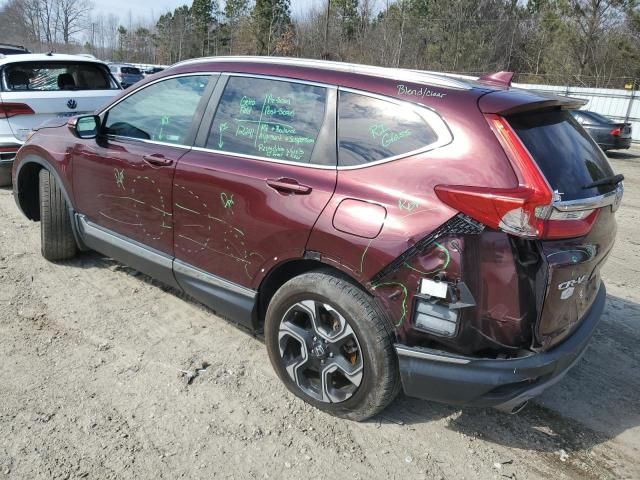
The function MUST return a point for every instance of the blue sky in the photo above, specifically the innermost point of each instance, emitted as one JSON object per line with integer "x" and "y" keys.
{"x": 151, "y": 9}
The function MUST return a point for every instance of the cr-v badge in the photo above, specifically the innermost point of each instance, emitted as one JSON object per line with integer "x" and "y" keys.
{"x": 569, "y": 286}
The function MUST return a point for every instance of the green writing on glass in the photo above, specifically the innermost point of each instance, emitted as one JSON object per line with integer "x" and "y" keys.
{"x": 268, "y": 127}
{"x": 246, "y": 105}
{"x": 271, "y": 99}
{"x": 387, "y": 137}
{"x": 223, "y": 127}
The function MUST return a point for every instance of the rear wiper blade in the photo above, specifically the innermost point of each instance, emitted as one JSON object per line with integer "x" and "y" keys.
{"x": 612, "y": 180}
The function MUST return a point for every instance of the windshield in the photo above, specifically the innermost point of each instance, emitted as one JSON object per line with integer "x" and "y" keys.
{"x": 567, "y": 156}
{"x": 40, "y": 76}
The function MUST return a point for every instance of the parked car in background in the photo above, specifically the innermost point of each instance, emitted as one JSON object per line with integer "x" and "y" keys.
{"x": 36, "y": 88}
{"x": 126, "y": 75}
{"x": 152, "y": 70}
{"x": 8, "y": 49}
{"x": 382, "y": 227}
{"x": 608, "y": 134}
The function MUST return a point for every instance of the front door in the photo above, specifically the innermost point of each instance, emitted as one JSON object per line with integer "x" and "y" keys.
{"x": 248, "y": 198}
{"x": 123, "y": 180}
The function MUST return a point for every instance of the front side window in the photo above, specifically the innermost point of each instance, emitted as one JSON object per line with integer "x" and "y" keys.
{"x": 269, "y": 118}
{"x": 161, "y": 112}
{"x": 371, "y": 129}
{"x": 41, "y": 76}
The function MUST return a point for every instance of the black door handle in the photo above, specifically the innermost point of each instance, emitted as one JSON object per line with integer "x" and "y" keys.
{"x": 288, "y": 185}
{"x": 157, "y": 160}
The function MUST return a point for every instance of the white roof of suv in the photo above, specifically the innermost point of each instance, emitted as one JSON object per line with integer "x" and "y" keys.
{"x": 45, "y": 57}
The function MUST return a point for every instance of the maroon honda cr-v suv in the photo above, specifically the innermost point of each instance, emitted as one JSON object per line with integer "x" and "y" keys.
{"x": 385, "y": 228}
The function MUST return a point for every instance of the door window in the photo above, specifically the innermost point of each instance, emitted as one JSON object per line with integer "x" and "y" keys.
{"x": 371, "y": 129}
{"x": 161, "y": 112}
{"x": 274, "y": 119}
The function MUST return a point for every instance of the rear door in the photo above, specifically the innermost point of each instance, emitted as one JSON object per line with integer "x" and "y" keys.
{"x": 55, "y": 89}
{"x": 585, "y": 188}
{"x": 265, "y": 167}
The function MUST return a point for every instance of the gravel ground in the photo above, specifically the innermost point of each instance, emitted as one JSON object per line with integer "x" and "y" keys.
{"x": 106, "y": 374}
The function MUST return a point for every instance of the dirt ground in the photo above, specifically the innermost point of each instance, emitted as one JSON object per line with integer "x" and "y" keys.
{"x": 93, "y": 358}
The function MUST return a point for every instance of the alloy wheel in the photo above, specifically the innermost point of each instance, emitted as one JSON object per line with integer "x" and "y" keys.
{"x": 320, "y": 351}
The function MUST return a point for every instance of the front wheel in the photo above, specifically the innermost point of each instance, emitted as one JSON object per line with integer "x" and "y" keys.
{"x": 56, "y": 233}
{"x": 331, "y": 346}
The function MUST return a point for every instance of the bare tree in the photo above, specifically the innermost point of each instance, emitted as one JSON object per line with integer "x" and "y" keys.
{"x": 73, "y": 15}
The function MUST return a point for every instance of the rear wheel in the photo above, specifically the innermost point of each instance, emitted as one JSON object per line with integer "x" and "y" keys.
{"x": 56, "y": 234}
{"x": 331, "y": 346}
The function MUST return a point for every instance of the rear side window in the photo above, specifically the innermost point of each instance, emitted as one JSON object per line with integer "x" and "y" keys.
{"x": 371, "y": 129}
{"x": 53, "y": 76}
{"x": 566, "y": 154}
{"x": 269, "y": 118}
{"x": 162, "y": 112}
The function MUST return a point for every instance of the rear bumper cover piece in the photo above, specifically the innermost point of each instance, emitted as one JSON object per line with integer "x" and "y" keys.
{"x": 502, "y": 383}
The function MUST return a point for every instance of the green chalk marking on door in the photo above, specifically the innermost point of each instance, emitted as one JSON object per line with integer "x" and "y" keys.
{"x": 227, "y": 201}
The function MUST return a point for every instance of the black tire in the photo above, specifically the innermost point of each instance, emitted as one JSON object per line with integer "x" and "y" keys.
{"x": 380, "y": 379}
{"x": 5, "y": 177}
{"x": 56, "y": 233}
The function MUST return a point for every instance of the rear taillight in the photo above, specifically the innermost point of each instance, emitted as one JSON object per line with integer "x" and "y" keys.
{"x": 616, "y": 132}
{"x": 526, "y": 210}
{"x": 8, "y": 110}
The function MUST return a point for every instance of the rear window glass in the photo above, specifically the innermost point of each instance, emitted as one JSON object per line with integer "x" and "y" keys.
{"x": 564, "y": 151}
{"x": 371, "y": 129}
{"x": 131, "y": 71}
{"x": 275, "y": 119}
{"x": 57, "y": 76}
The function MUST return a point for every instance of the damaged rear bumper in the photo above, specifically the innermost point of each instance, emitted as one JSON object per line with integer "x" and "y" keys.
{"x": 502, "y": 383}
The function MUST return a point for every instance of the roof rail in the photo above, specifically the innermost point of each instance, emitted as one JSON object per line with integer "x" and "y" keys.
{"x": 399, "y": 74}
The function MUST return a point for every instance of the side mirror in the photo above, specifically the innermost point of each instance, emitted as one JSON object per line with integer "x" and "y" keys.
{"x": 85, "y": 127}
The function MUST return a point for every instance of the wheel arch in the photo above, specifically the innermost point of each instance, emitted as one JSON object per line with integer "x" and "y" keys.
{"x": 27, "y": 193}
{"x": 283, "y": 272}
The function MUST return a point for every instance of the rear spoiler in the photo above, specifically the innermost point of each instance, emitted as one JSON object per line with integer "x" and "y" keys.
{"x": 516, "y": 100}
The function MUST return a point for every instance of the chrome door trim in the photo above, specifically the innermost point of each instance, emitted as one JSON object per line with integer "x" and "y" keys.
{"x": 156, "y": 257}
{"x": 133, "y": 247}
{"x": 195, "y": 273}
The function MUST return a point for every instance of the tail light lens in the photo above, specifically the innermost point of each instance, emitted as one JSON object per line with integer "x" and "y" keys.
{"x": 616, "y": 132}
{"x": 8, "y": 110}
{"x": 527, "y": 210}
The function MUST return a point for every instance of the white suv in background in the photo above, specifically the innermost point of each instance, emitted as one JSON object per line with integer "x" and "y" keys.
{"x": 35, "y": 88}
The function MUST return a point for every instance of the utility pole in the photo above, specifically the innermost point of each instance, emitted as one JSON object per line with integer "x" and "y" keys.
{"x": 325, "y": 54}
